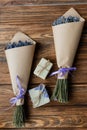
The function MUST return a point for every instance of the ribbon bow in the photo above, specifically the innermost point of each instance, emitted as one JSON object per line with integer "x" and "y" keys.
{"x": 63, "y": 71}
{"x": 20, "y": 94}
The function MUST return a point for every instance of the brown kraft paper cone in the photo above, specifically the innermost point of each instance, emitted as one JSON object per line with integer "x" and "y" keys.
{"x": 19, "y": 62}
{"x": 66, "y": 40}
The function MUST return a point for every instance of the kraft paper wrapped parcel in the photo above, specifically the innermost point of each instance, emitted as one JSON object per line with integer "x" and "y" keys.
{"x": 43, "y": 68}
{"x": 66, "y": 33}
{"x": 19, "y": 53}
{"x": 39, "y": 96}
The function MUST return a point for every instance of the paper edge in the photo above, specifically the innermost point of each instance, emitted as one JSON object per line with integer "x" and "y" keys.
{"x": 65, "y": 24}
{"x": 21, "y": 47}
{"x": 71, "y": 10}
{"x": 37, "y": 86}
{"x": 23, "y": 36}
{"x": 68, "y": 12}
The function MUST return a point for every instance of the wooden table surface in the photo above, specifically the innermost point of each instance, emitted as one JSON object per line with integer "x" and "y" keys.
{"x": 34, "y": 17}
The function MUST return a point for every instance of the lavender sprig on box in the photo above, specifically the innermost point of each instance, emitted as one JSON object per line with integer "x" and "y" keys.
{"x": 39, "y": 96}
{"x": 43, "y": 68}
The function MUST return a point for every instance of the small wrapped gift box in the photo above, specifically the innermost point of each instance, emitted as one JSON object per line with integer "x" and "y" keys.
{"x": 39, "y": 96}
{"x": 43, "y": 68}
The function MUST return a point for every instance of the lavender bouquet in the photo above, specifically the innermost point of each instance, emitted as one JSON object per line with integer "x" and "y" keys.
{"x": 66, "y": 32}
{"x": 19, "y": 53}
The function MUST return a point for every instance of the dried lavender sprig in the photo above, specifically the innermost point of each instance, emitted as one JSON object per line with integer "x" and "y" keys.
{"x": 19, "y": 44}
{"x": 60, "y": 92}
{"x": 63, "y": 19}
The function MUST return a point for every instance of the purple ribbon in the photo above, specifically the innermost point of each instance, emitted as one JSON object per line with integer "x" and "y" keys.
{"x": 20, "y": 94}
{"x": 63, "y": 71}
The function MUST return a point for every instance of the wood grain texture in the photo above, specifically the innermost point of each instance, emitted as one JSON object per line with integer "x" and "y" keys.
{"x": 63, "y": 128}
{"x": 39, "y": 2}
{"x": 34, "y": 17}
{"x": 78, "y": 95}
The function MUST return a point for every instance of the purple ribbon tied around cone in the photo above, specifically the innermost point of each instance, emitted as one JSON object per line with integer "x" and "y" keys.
{"x": 63, "y": 71}
{"x": 21, "y": 93}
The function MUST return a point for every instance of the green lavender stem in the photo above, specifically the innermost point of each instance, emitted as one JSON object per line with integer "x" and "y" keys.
{"x": 19, "y": 116}
{"x": 60, "y": 92}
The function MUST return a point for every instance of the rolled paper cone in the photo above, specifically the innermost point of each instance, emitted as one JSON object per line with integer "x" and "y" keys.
{"x": 19, "y": 62}
{"x": 66, "y": 39}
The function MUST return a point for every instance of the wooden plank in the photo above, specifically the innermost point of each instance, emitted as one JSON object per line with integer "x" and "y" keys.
{"x": 56, "y": 116}
{"x": 35, "y": 20}
{"x": 56, "y": 121}
{"x": 63, "y": 128}
{"x": 47, "y": 111}
{"x": 78, "y": 95}
{"x": 79, "y": 76}
{"x": 36, "y": 14}
{"x": 38, "y": 31}
{"x": 38, "y": 2}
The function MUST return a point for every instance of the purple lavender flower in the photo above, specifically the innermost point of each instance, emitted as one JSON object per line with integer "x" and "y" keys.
{"x": 64, "y": 19}
{"x": 19, "y": 44}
